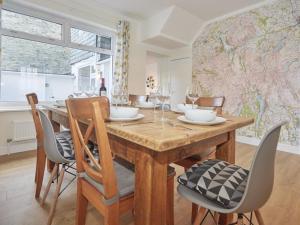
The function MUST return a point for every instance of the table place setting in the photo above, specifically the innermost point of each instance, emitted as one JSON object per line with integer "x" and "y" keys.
{"x": 146, "y": 105}
{"x": 118, "y": 113}
{"x": 202, "y": 117}
{"x": 60, "y": 104}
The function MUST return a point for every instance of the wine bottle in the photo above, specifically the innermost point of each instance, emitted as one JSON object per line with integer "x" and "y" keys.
{"x": 102, "y": 91}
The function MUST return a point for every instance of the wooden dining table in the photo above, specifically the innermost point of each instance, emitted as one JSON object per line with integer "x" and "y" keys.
{"x": 151, "y": 145}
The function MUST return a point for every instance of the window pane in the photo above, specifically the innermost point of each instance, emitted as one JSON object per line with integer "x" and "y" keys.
{"x": 31, "y": 25}
{"x": 19, "y": 54}
{"x": 104, "y": 42}
{"x": 83, "y": 37}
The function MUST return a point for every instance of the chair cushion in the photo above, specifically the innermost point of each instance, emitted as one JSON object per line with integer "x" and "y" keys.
{"x": 65, "y": 144}
{"x": 125, "y": 180}
{"x": 217, "y": 180}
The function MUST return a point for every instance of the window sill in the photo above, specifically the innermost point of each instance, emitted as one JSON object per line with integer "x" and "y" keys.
{"x": 14, "y": 108}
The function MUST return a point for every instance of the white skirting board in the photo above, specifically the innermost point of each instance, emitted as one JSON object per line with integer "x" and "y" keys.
{"x": 281, "y": 147}
{"x": 15, "y": 147}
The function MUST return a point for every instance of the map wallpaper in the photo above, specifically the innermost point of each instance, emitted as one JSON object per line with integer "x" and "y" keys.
{"x": 253, "y": 59}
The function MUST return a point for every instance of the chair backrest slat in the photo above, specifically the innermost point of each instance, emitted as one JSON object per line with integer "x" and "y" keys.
{"x": 216, "y": 102}
{"x": 93, "y": 111}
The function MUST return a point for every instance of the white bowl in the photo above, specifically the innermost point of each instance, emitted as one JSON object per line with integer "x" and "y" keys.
{"x": 146, "y": 104}
{"x": 200, "y": 115}
{"x": 60, "y": 102}
{"x": 184, "y": 107}
{"x": 123, "y": 112}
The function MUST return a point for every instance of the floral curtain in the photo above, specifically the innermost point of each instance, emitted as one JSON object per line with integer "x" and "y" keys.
{"x": 120, "y": 78}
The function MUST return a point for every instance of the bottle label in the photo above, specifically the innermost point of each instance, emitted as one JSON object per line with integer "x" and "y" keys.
{"x": 102, "y": 93}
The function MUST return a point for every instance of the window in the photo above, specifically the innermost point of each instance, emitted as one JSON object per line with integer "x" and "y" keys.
{"x": 19, "y": 22}
{"x": 104, "y": 42}
{"x": 37, "y": 56}
{"x": 83, "y": 37}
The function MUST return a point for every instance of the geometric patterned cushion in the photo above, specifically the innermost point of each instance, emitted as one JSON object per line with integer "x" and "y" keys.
{"x": 216, "y": 180}
{"x": 65, "y": 144}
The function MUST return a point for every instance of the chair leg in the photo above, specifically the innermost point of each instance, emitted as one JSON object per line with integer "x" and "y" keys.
{"x": 81, "y": 205}
{"x": 200, "y": 216}
{"x": 216, "y": 217}
{"x": 259, "y": 217}
{"x": 49, "y": 184}
{"x": 40, "y": 169}
{"x": 240, "y": 219}
{"x": 36, "y": 167}
{"x": 194, "y": 212}
{"x": 170, "y": 201}
{"x": 53, "y": 206}
{"x": 112, "y": 215}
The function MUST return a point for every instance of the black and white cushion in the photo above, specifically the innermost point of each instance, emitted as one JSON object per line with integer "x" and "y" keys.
{"x": 65, "y": 144}
{"x": 217, "y": 180}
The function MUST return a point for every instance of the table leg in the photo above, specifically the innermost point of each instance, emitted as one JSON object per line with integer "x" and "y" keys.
{"x": 150, "y": 190}
{"x": 56, "y": 128}
{"x": 226, "y": 152}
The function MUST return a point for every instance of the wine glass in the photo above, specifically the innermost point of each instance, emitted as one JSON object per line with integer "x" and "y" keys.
{"x": 153, "y": 97}
{"x": 115, "y": 93}
{"x": 192, "y": 94}
{"x": 163, "y": 96}
{"x": 77, "y": 93}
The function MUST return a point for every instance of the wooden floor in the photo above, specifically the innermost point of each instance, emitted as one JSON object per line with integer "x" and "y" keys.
{"x": 19, "y": 207}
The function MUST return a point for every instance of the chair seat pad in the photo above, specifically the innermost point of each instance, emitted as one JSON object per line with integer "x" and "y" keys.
{"x": 217, "y": 181}
{"x": 65, "y": 144}
{"x": 125, "y": 180}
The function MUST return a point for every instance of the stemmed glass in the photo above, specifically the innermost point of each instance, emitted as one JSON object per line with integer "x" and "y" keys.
{"x": 163, "y": 96}
{"x": 115, "y": 94}
{"x": 77, "y": 93}
{"x": 153, "y": 97}
{"x": 192, "y": 94}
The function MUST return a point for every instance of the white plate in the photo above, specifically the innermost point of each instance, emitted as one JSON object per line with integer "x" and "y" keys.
{"x": 59, "y": 106}
{"x": 138, "y": 117}
{"x": 175, "y": 110}
{"x": 147, "y": 107}
{"x": 218, "y": 120}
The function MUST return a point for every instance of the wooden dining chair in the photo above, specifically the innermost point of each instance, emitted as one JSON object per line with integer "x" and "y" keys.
{"x": 40, "y": 152}
{"x": 215, "y": 103}
{"x": 98, "y": 182}
{"x": 135, "y": 99}
{"x": 211, "y": 102}
{"x": 106, "y": 183}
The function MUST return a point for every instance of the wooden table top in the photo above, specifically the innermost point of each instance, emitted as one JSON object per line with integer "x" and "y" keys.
{"x": 153, "y": 134}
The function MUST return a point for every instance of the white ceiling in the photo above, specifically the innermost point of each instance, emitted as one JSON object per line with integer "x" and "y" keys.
{"x": 204, "y": 9}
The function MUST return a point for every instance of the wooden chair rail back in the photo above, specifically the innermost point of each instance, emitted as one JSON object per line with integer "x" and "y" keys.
{"x": 81, "y": 108}
{"x": 32, "y": 100}
{"x": 216, "y": 102}
{"x": 135, "y": 99}
{"x": 103, "y": 170}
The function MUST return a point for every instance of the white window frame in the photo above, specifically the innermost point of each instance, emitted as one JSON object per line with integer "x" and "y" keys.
{"x": 66, "y": 25}
{"x": 65, "y": 22}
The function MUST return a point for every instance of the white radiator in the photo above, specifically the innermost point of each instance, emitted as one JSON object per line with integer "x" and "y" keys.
{"x": 23, "y": 130}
